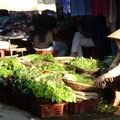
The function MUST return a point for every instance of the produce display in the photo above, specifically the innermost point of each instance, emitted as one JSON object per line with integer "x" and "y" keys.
{"x": 35, "y": 81}
{"x": 45, "y": 80}
{"x": 56, "y": 91}
{"x": 79, "y": 78}
{"x": 37, "y": 74}
{"x": 86, "y": 63}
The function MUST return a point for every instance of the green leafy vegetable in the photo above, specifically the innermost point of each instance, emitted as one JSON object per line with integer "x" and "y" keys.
{"x": 86, "y": 63}
{"x": 80, "y": 78}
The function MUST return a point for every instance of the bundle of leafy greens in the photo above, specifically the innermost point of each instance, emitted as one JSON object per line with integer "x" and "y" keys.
{"x": 49, "y": 57}
{"x": 37, "y": 58}
{"x": 79, "y": 78}
{"x": 56, "y": 91}
{"x": 49, "y": 76}
{"x": 86, "y": 63}
{"x": 8, "y": 66}
{"x": 56, "y": 67}
{"x": 28, "y": 72}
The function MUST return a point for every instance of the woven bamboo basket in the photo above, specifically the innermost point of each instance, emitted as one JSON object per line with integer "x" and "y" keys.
{"x": 87, "y": 71}
{"x": 29, "y": 64}
{"x": 64, "y": 60}
{"x": 81, "y": 86}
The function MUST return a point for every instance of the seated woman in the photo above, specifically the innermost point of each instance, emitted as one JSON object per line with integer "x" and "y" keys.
{"x": 45, "y": 27}
{"x": 92, "y": 32}
{"x": 111, "y": 79}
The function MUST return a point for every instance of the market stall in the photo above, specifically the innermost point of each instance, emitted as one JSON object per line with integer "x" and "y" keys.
{"x": 42, "y": 84}
{"x": 46, "y": 85}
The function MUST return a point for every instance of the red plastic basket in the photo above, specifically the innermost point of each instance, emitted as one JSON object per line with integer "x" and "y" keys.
{"x": 84, "y": 106}
{"x": 5, "y": 96}
{"x": 47, "y": 111}
{"x": 20, "y": 101}
{"x": 66, "y": 107}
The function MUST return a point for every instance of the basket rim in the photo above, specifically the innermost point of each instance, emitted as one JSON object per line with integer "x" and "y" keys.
{"x": 61, "y": 58}
{"x": 92, "y": 70}
{"x": 77, "y": 83}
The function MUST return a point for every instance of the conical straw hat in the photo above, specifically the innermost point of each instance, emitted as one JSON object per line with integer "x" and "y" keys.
{"x": 115, "y": 35}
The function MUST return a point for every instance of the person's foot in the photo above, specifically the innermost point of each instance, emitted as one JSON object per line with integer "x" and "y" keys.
{"x": 73, "y": 54}
{"x": 117, "y": 99}
{"x": 117, "y": 113}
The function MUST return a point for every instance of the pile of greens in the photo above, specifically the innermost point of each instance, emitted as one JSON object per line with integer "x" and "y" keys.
{"x": 86, "y": 63}
{"x": 37, "y": 58}
{"x": 28, "y": 72}
{"x": 56, "y": 91}
{"x": 103, "y": 107}
{"x": 49, "y": 76}
{"x": 37, "y": 74}
{"x": 49, "y": 57}
{"x": 8, "y": 66}
{"x": 56, "y": 67}
{"x": 80, "y": 78}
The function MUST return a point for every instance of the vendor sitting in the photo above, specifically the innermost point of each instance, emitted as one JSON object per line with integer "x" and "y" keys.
{"x": 45, "y": 27}
{"x": 111, "y": 79}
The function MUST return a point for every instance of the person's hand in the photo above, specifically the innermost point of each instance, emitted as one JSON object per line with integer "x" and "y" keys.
{"x": 99, "y": 80}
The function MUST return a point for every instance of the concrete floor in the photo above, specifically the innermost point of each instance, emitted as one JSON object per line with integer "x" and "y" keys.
{"x": 8, "y": 112}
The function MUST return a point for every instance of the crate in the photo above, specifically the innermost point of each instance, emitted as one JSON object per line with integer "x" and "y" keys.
{"x": 48, "y": 110}
{"x": 66, "y": 107}
{"x": 86, "y": 106}
{"x": 20, "y": 101}
{"x": 5, "y": 96}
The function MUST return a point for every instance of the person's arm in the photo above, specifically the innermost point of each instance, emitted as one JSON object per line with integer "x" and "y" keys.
{"x": 113, "y": 73}
{"x": 114, "y": 63}
{"x": 110, "y": 74}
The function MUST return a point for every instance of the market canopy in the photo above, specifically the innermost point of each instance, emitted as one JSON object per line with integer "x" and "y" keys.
{"x": 25, "y": 5}
{"x": 115, "y": 35}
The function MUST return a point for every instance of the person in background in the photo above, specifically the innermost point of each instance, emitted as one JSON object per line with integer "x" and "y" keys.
{"x": 111, "y": 79}
{"x": 45, "y": 30}
{"x": 92, "y": 32}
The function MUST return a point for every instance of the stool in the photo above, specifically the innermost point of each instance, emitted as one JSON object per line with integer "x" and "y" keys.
{"x": 2, "y": 51}
{"x": 45, "y": 52}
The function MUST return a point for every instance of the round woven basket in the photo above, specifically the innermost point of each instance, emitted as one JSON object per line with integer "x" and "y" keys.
{"x": 64, "y": 60}
{"x": 87, "y": 71}
{"x": 81, "y": 86}
{"x": 29, "y": 64}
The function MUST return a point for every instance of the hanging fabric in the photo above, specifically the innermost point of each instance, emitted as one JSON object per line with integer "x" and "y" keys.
{"x": 80, "y": 7}
{"x": 118, "y": 14}
{"x": 65, "y": 3}
{"x": 100, "y": 7}
{"x": 41, "y": 7}
{"x": 18, "y": 5}
{"x": 113, "y": 15}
